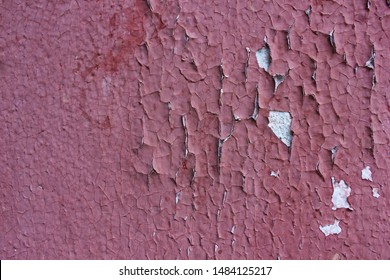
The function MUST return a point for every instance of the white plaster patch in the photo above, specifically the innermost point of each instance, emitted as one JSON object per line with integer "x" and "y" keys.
{"x": 331, "y": 229}
{"x": 341, "y": 192}
{"x": 275, "y": 174}
{"x": 375, "y": 192}
{"x": 263, "y": 57}
{"x": 367, "y": 174}
{"x": 280, "y": 123}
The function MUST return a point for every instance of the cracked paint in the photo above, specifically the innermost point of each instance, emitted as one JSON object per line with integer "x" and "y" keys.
{"x": 140, "y": 129}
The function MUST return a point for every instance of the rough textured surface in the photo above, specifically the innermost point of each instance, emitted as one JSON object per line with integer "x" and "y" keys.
{"x": 140, "y": 129}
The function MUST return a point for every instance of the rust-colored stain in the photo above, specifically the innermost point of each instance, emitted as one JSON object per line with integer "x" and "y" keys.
{"x": 194, "y": 130}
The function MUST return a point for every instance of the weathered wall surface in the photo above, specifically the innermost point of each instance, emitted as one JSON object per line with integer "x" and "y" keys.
{"x": 140, "y": 129}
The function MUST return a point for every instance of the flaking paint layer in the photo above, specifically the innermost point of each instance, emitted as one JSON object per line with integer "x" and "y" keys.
{"x": 140, "y": 130}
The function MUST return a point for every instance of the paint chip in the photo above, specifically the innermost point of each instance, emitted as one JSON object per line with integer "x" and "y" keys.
{"x": 263, "y": 56}
{"x": 331, "y": 229}
{"x": 278, "y": 80}
{"x": 275, "y": 174}
{"x": 280, "y": 123}
{"x": 334, "y": 151}
{"x": 341, "y": 192}
{"x": 367, "y": 174}
{"x": 308, "y": 13}
{"x": 177, "y": 197}
{"x": 370, "y": 63}
{"x": 331, "y": 39}
{"x": 375, "y": 192}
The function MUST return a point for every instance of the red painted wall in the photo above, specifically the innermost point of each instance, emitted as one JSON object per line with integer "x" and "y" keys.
{"x": 126, "y": 129}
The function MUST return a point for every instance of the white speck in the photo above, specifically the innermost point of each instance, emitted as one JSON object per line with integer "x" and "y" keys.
{"x": 334, "y": 151}
{"x": 224, "y": 197}
{"x": 331, "y": 229}
{"x": 341, "y": 192}
{"x": 366, "y": 174}
{"x": 233, "y": 229}
{"x": 275, "y": 174}
{"x": 280, "y": 123}
{"x": 370, "y": 63}
{"x": 178, "y": 197}
{"x": 331, "y": 38}
{"x": 308, "y": 11}
{"x": 375, "y": 192}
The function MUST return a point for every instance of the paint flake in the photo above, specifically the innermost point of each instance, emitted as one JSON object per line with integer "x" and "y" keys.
{"x": 375, "y": 192}
{"x": 177, "y": 198}
{"x": 370, "y": 63}
{"x": 331, "y": 229}
{"x": 341, "y": 192}
{"x": 331, "y": 39}
{"x": 280, "y": 124}
{"x": 278, "y": 80}
{"x": 367, "y": 174}
{"x": 263, "y": 57}
{"x": 334, "y": 151}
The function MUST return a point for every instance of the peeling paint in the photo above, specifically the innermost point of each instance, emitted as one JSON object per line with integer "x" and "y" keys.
{"x": 341, "y": 192}
{"x": 256, "y": 106}
{"x": 280, "y": 124}
{"x": 308, "y": 13}
{"x": 177, "y": 198}
{"x": 375, "y": 192}
{"x": 263, "y": 56}
{"x": 248, "y": 54}
{"x": 332, "y": 41}
{"x": 275, "y": 174}
{"x": 333, "y": 151}
{"x": 331, "y": 229}
{"x": 278, "y": 80}
{"x": 370, "y": 63}
{"x": 367, "y": 174}
{"x": 142, "y": 129}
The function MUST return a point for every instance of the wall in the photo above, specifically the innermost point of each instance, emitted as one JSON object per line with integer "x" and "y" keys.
{"x": 141, "y": 130}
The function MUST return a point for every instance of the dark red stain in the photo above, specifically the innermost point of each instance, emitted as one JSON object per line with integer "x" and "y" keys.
{"x": 184, "y": 164}
{"x": 128, "y": 35}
